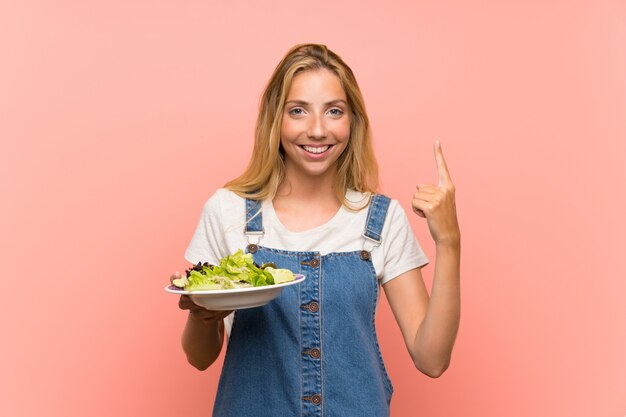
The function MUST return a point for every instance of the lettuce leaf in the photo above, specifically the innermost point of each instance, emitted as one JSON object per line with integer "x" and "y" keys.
{"x": 280, "y": 275}
{"x": 234, "y": 271}
{"x": 198, "y": 281}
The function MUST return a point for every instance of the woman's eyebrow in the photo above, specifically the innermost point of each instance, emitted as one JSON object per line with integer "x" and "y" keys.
{"x": 330, "y": 103}
{"x": 337, "y": 101}
{"x": 298, "y": 102}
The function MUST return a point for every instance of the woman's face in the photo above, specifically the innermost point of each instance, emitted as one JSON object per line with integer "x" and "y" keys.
{"x": 316, "y": 123}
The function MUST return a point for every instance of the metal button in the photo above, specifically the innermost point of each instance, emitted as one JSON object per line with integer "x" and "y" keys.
{"x": 252, "y": 248}
{"x": 313, "y": 306}
{"x": 365, "y": 255}
{"x": 315, "y": 262}
{"x": 315, "y": 399}
{"x": 314, "y": 353}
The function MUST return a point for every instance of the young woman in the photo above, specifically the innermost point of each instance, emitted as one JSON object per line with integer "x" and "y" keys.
{"x": 308, "y": 202}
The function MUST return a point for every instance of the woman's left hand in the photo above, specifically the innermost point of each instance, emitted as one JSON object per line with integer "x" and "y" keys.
{"x": 436, "y": 203}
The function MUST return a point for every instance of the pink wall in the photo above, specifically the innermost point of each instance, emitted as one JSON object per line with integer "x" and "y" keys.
{"x": 118, "y": 119}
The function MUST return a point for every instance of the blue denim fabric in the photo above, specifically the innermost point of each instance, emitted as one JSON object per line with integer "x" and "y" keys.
{"x": 294, "y": 358}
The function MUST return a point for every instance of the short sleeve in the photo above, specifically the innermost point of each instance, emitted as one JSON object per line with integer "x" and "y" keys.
{"x": 401, "y": 250}
{"x": 207, "y": 243}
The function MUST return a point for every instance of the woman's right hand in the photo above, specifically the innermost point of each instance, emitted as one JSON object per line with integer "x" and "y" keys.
{"x": 200, "y": 313}
{"x": 195, "y": 311}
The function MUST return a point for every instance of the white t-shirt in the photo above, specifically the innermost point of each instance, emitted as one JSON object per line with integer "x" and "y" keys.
{"x": 220, "y": 233}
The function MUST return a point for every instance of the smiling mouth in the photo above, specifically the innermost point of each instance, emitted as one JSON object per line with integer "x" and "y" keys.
{"x": 316, "y": 149}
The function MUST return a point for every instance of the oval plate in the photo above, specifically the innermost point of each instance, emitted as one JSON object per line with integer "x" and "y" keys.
{"x": 236, "y": 298}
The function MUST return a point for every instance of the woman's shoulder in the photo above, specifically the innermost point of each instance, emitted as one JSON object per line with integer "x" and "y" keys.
{"x": 226, "y": 196}
{"x": 395, "y": 217}
{"x": 223, "y": 201}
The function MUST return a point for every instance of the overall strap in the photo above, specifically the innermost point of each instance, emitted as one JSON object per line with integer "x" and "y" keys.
{"x": 254, "y": 218}
{"x": 376, "y": 217}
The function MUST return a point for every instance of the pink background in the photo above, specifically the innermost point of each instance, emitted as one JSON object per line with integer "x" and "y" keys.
{"x": 119, "y": 118}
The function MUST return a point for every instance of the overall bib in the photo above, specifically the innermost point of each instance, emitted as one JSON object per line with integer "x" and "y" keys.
{"x": 313, "y": 351}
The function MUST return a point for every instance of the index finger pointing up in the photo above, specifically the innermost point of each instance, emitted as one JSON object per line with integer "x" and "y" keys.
{"x": 442, "y": 168}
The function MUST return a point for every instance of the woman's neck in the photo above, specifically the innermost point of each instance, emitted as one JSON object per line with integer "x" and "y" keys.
{"x": 298, "y": 186}
{"x": 303, "y": 202}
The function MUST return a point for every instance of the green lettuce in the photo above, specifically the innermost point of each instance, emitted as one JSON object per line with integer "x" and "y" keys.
{"x": 234, "y": 271}
{"x": 280, "y": 275}
{"x": 196, "y": 281}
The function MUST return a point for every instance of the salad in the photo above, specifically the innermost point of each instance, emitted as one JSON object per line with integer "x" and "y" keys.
{"x": 234, "y": 271}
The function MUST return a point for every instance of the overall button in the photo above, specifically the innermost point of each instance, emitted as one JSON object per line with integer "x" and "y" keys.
{"x": 252, "y": 248}
{"x": 315, "y": 399}
{"x": 314, "y": 353}
{"x": 313, "y": 307}
{"x": 315, "y": 262}
{"x": 365, "y": 255}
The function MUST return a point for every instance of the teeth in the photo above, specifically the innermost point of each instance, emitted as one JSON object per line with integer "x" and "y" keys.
{"x": 316, "y": 149}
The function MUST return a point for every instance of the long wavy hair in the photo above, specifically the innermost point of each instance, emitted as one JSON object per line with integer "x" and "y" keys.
{"x": 357, "y": 167}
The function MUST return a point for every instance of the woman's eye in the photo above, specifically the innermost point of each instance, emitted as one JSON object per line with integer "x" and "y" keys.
{"x": 336, "y": 112}
{"x": 296, "y": 111}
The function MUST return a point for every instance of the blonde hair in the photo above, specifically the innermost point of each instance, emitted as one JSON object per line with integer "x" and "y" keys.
{"x": 357, "y": 167}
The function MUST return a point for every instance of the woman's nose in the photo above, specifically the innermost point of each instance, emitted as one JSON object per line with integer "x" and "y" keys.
{"x": 317, "y": 127}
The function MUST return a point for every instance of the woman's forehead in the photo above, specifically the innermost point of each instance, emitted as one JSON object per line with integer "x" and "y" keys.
{"x": 319, "y": 83}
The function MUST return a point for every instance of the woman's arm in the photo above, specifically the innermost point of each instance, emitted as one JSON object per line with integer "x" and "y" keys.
{"x": 429, "y": 326}
{"x": 203, "y": 335}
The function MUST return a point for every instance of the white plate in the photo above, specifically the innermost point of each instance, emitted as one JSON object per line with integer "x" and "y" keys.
{"x": 236, "y": 298}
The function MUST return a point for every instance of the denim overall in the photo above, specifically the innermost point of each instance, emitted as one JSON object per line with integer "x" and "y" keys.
{"x": 312, "y": 351}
